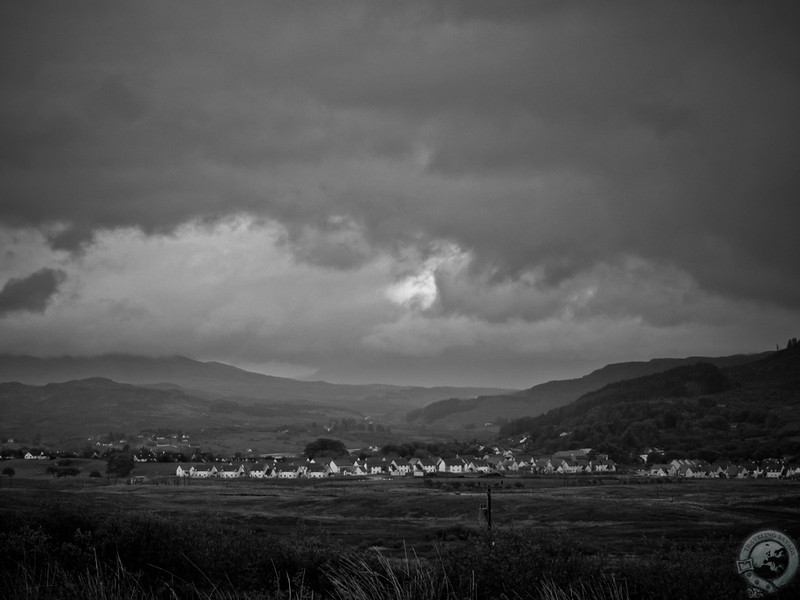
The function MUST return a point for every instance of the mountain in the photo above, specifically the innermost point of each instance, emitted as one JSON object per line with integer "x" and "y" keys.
{"x": 89, "y": 406}
{"x": 744, "y": 410}
{"x": 217, "y": 380}
{"x": 546, "y": 396}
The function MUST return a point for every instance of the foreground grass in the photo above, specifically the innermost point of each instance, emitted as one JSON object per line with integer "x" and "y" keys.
{"x": 65, "y": 550}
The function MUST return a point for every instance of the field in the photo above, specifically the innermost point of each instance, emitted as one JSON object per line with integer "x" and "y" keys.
{"x": 612, "y": 514}
{"x": 614, "y": 521}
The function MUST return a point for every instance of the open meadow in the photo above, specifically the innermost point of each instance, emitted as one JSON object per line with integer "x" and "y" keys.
{"x": 611, "y": 526}
{"x": 611, "y": 514}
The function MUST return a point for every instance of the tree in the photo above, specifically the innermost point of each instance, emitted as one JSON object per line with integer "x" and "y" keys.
{"x": 669, "y": 419}
{"x": 326, "y": 447}
{"x": 10, "y": 472}
{"x": 63, "y": 471}
{"x": 390, "y": 449}
{"x": 120, "y": 464}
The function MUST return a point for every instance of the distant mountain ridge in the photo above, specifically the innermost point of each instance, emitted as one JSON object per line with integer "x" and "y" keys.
{"x": 553, "y": 394}
{"x": 215, "y": 379}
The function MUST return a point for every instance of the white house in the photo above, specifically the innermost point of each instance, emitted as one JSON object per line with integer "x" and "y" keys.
{"x": 567, "y": 466}
{"x": 427, "y": 466}
{"x": 478, "y": 465}
{"x": 792, "y": 470}
{"x": 287, "y": 471}
{"x": 606, "y": 465}
{"x": 374, "y": 466}
{"x": 508, "y": 464}
{"x": 230, "y": 472}
{"x": 399, "y": 467}
{"x": 774, "y": 470}
{"x": 258, "y": 472}
{"x": 660, "y": 470}
{"x": 451, "y": 465}
{"x": 351, "y": 470}
{"x": 524, "y": 463}
{"x": 196, "y": 473}
{"x": 335, "y": 466}
{"x": 315, "y": 471}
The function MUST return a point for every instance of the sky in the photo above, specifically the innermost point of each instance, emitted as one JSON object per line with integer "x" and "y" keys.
{"x": 429, "y": 193}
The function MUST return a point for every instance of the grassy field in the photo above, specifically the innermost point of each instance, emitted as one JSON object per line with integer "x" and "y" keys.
{"x": 656, "y": 538}
{"x": 613, "y": 514}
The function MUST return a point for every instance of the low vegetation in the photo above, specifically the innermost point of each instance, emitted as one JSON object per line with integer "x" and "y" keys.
{"x": 82, "y": 549}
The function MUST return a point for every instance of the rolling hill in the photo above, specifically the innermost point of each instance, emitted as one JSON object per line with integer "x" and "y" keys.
{"x": 741, "y": 411}
{"x": 553, "y": 394}
{"x": 214, "y": 380}
{"x": 88, "y": 406}
{"x": 69, "y": 414}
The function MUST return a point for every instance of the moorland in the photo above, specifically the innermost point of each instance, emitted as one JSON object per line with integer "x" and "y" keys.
{"x": 615, "y": 536}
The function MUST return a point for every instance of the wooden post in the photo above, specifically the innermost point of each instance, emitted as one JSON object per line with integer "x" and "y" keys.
{"x": 487, "y": 512}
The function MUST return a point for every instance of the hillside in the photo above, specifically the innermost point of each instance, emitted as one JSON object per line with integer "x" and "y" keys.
{"x": 93, "y": 405}
{"x": 214, "y": 380}
{"x": 68, "y": 414}
{"x": 553, "y": 394}
{"x": 742, "y": 411}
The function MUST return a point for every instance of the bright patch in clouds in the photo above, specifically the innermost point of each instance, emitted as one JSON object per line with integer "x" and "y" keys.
{"x": 403, "y": 192}
{"x": 415, "y": 291}
{"x": 419, "y": 291}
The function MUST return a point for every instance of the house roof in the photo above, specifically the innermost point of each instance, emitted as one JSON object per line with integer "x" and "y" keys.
{"x": 286, "y": 468}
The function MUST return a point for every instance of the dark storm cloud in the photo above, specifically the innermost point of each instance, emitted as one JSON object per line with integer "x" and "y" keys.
{"x": 31, "y": 293}
{"x": 543, "y": 139}
{"x": 116, "y": 99}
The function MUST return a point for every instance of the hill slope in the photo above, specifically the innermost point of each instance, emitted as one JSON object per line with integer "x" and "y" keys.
{"x": 744, "y": 411}
{"x": 70, "y": 412}
{"x": 94, "y": 405}
{"x": 553, "y": 394}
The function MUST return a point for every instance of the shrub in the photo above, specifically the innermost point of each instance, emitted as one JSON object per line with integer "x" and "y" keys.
{"x": 78, "y": 550}
{"x": 501, "y": 564}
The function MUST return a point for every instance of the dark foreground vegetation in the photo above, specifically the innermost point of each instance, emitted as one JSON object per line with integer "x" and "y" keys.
{"x": 79, "y": 550}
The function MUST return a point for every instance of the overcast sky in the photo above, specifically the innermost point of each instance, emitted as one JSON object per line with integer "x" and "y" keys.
{"x": 492, "y": 193}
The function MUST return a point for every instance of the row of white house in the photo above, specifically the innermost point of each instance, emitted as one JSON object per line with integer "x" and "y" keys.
{"x": 397, "y": 467}
{"x": 699, "y": 469}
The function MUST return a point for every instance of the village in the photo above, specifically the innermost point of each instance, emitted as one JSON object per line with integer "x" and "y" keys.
{"x": 501, "y": 463}
{"x": 571, "y": 462}
{"x": 372, "y": 462}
